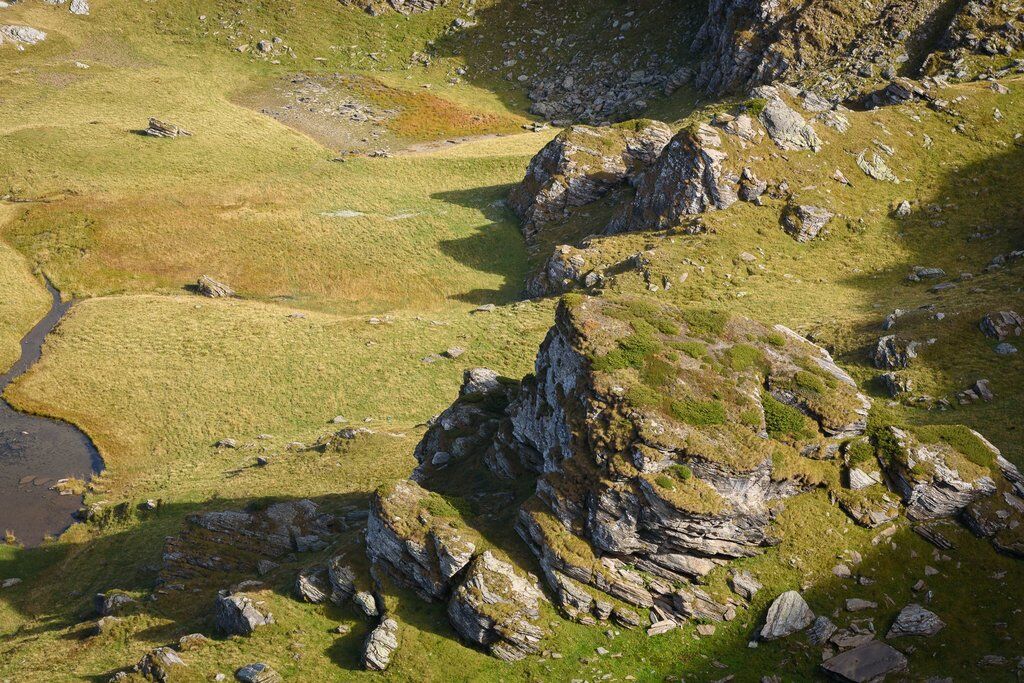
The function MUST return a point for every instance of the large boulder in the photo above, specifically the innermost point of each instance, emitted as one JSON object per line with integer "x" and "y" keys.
{"x": 240, "y": 615}
{"x": 159, "y": 664}
{"x": 21, "y": 35}
{"x": 380, "y": 645}
{"x": 788, "y": 614}
{"x": 580, "y": 166}
{"x": 496, "y": 607}
{"x": 914, "y": 620}
{"x": 687, "y": 179}
{"x": 787, "y": 128}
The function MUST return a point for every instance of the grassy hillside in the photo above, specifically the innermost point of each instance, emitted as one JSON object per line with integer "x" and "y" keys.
{"x": 317, "y": 247}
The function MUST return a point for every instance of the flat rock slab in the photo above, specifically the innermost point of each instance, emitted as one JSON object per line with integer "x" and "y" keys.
{"x": 870, "y": 662}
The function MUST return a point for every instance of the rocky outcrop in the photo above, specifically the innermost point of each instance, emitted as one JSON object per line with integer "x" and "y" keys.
{"x": 837, "y": 49}
{"x": 163, "y": 129}
{"x": 215, "y": 544}
{"x": 207, "y": 286}
{"x": 159, "y": 664}
{"x": 376, "y": 8}
{"x": 687, "y": 179}
{"x": 586, "y": 267}
{"x": 380, "y": 645}
{"x": 676, "y": 484}
{"x": 1001, "y": 325}
{"x": 787, "y": 128}
{"x": 239, "y": 615}
{"x": 803, "y": 222}
{"x": 660, "y": 443}
{"x": 892, "y": 352}
{"x": 496, "y": 607}
{"x": 935, "y": 479}
{"x": 421, "y": 549}
{"x": 581, "y": 165}
{"x": 21, "y": 35}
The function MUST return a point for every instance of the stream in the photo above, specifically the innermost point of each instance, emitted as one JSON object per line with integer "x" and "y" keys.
{"x": 36, "y": 452}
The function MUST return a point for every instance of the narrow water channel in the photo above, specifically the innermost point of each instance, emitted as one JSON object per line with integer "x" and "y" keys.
{"x": 36, "y": 452}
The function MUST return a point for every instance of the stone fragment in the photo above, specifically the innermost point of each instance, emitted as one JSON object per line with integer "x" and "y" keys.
{"x": 788, "y": 614}
{"x": 804, "y": 222}
{"x": 162, "y": 129}
{"x": 239, "y": 615}
{"x": 915, "y": 620}
{"x": 209, "y": 287}
{"x": 865, "y": 664}
{"x": 158, "y": 664}
{"x": 380, "y": 645}
{"x": 257, "y": 672}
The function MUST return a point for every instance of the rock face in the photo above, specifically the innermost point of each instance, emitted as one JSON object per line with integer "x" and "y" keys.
{"x": 935, "y": 479}
{"x": 687, "y": 179}
{"x": 870, "y": 662}
{"x": 380, "y": 645}
{"x": 914, "y": 620}
{"x": 788, "y": 614}
{"x": 581, "y": 165}
{"x": 496, "y": 607}
{"x": 239, "y": 615}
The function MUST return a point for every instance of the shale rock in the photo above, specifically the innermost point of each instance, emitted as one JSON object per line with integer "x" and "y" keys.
{"x": 312, "y": 585}
{"x": 687, "y": 179}
{"x": 239, "y": 615}
{"x": 112, "y": 603}
{"x": 804, "y": 222}
{"x": 914, "y": 620}
{"x": 378, "y": 7}
{"x": 867, "y": 663}
{"x": 207, "y": 286}
{"x": 1002, "y": 325}
{"x": 788, "y": 614}
{"x": 935, "y": 479}
{"x": 581, "y": 165}
{"x": 496, "y": 607}
{"x": 380, "y": 645}
{"x": 21, "y": 35}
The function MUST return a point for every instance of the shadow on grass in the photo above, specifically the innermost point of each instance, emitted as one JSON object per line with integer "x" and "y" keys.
{"x": 496, "y": 248}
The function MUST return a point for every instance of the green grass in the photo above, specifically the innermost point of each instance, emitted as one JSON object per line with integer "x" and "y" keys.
{"x": 156, "y": 376}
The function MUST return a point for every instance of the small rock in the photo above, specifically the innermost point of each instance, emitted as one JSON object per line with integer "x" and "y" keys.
{"x": 209, "y": 287}
{"x": 914, "y": 620}
{"x": 788, "y": 614}
{"x": 865, "y": 664}
{"x": 258, "y": 672}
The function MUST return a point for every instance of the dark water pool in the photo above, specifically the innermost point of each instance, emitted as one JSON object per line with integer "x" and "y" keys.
{"x": 36, "y": 452}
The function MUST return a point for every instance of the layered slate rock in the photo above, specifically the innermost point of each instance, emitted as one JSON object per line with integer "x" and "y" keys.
{"x": 240, "y": 615}
{"x": 787, "y": 128}
{"x": 687, "y": 179}
{"x": 580, "y": 166}
{"x": 660, "y": 444}
{"x": 804, "y": 222}
{"x": 914, "y": 620}
{"x": 380, "y": 645}
{"x": 497, "y": 607}
{"x": 675, "y": 474}
{"x": 414, "y": 536}
{"x": 936, "y": 479}
{"x": 378, "y": 7}
{"x": 236, "y": 541}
